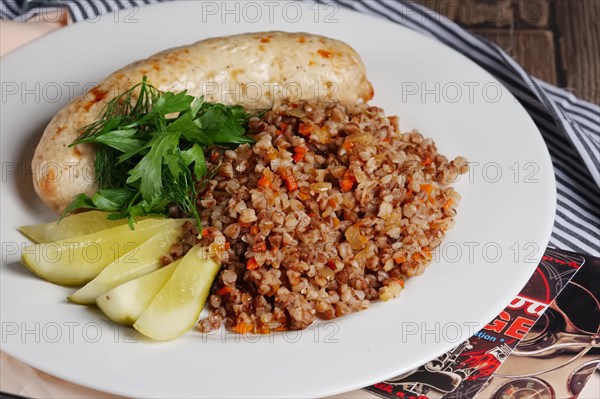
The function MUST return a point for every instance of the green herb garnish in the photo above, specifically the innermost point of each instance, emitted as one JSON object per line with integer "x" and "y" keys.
{"x": 150, "y": 151}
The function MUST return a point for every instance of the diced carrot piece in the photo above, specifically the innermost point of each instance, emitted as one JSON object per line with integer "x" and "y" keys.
{"x": 204, "y": 232}
{"x": 264, "y": 181}
{"x": 254, "y": 230}
{"x": 428, "y": 188}
{"x": 426, "y": 161}
{"x": 331, "y": 202}
{"x": 278, "y": 132}
{"x": 243, "y": 328}
{"x": 348, "y": 145}
{"x": 448, "y": 204}
{"x": 251, "y": 264}
{"x": 299, "y": 153}
{"x": 224, "y": 290}
{"x": 227, "y": 246}
{"x": 347, "y": 181}
{"x": 305, "y": 128}
{"x": 346, "y": 185}
{"x": 289, "y": 179}
{"x": 283, "y": 126}
{"x": 400, "y": 259}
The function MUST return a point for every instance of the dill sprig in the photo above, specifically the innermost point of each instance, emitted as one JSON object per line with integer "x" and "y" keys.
{"x": 150, "y": 151}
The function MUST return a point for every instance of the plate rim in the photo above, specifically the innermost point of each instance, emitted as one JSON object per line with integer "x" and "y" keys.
{"x": 16, "y": 54}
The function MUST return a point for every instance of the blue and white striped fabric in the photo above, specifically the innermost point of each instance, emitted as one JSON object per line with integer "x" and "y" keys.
{"x": 570, "y": 126}
{"x": 79, "y": 10}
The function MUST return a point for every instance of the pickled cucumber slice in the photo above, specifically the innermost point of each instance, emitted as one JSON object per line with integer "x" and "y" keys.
{"x": 78, "y": 260}
{"x": 71, "y": 226}
{"x": 143, "y": 260}
{"x": 176, "y": 307}
{"x": 125, "y": 303}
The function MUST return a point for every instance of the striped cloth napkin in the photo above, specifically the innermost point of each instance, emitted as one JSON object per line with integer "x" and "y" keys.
{"x": 570, "y": 126}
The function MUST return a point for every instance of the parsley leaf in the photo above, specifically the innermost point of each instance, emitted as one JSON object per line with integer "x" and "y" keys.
{"x": 112, "y": 199}
{"x": 149, "y": 168}
{"x": 122, "y": 140}
{"x": 150, "y": 151}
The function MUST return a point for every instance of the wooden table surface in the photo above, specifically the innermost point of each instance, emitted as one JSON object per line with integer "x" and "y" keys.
{"x": 555, "y": 40}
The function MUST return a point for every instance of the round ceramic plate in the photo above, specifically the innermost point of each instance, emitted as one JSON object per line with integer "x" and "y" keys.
{"x": 502, "y": 227}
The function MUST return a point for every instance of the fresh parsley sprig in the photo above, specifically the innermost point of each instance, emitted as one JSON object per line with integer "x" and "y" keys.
{"x": 150, "y": 150}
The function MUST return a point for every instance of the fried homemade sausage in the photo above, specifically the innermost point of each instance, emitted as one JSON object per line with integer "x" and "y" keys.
{"x": 254, "y": 70}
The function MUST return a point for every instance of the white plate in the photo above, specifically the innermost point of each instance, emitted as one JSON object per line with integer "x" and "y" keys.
{"x": 503, "y": 224}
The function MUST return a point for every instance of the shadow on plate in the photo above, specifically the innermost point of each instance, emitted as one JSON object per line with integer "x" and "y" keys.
{"x": 22, "y": 181}
{"x": 18, "y": 268}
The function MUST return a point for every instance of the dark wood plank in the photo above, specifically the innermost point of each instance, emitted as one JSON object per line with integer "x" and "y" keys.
{"x": 493, "y": 13}
{"x": 578, "y": 27}
{"x": 555, "y": 40}
{"x": 484, "y": 13}
{"x": 534, "y": 13}
{"x": 534, "y": 49}
{"x": 447, "y": 8}
{"x": 497, "y": 13}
